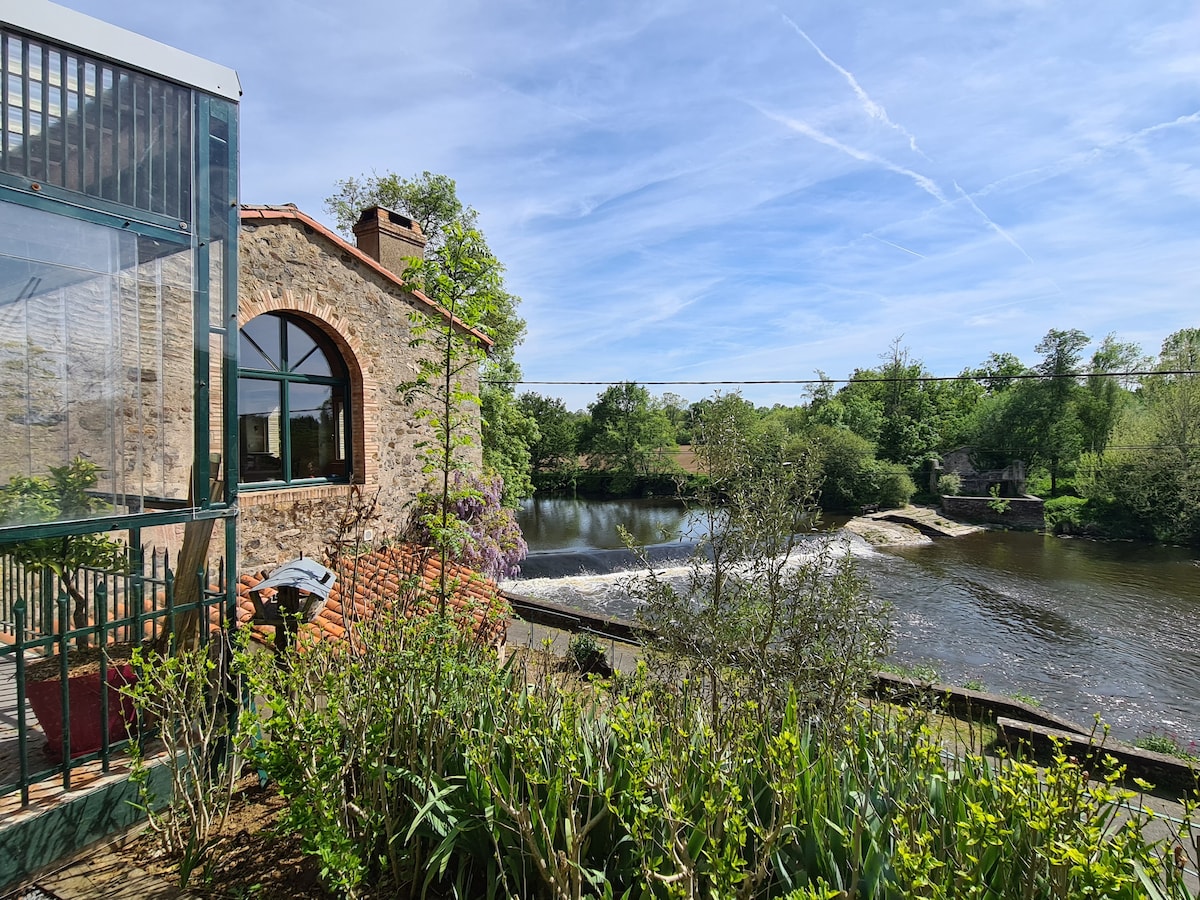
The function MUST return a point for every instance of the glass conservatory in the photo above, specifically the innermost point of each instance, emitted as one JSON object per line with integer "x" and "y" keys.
{"x": 118, "y": 330}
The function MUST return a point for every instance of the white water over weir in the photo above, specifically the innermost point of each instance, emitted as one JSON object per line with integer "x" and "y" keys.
{"x": 1081, "y": 626}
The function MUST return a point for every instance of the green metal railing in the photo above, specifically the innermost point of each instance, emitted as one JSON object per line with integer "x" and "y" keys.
{"x": 136, "y": 606}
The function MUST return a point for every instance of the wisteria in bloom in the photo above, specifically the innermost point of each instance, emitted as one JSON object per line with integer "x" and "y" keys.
{"x": 492, "y": 543}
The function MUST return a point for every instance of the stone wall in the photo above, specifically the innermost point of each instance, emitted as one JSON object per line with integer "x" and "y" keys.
{"x": 1023, "y": 512}
{"x": 285, "y": 265}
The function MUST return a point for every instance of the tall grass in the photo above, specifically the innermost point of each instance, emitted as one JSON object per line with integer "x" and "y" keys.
{"x": 422, "y": 766}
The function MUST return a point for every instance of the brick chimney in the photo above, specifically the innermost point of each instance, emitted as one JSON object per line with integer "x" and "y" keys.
{"x": 389, "y": 238}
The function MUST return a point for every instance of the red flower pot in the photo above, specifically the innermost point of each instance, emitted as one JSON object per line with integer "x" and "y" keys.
{"x": 86, "y": 713}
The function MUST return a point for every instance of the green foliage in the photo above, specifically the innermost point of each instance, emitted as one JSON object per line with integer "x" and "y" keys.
{"x": 508, "y": 435}
{"x": 1066, "y": 515}
{"x": 950, "y": 484}
{"x": 1169, "y": 745}
{"x": 628, "y": 433}
{"x": 187, "y": 695}
{"x": 61, "y": 497}
{"x": 999, "y": 372}
{"x": 761, "y": 612}
{"x": 587, "y": 654}
{"x": 918, "y": 670}
{"x": 433, "y": 772}
{"x": 998, "y": 504}
{"x": 847, "y": 465}
{"x": 555, "y": 447}
{"x": 463, "y": 278}
{"x": 894, "y": 486}
{"x": 460, "y": 273}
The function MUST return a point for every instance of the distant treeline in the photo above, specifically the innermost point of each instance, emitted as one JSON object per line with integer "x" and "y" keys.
{"x": 1114, "y": 453}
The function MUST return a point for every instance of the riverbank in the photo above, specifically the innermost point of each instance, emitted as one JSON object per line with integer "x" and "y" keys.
{"x": 909, "y": 525}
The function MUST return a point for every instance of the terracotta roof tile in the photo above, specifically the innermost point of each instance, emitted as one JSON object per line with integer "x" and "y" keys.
{"x": 389, "y": 576}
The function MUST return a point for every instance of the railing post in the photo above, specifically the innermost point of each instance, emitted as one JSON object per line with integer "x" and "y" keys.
{"x": 102, "y": 639}
{"x": 135, "y": 586}
{"x": 64, "y": 626}
{"x": 169, "y": 588}
{"x": 22, "y": 723}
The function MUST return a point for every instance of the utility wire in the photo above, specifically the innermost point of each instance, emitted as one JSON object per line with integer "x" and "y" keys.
{"x": 864, "y": 380}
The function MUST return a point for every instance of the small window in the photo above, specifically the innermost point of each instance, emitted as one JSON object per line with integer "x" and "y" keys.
{"x": 293, "y": 403}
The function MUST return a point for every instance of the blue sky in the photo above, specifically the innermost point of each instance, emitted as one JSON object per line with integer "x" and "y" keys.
{"x": 715, "y": 190}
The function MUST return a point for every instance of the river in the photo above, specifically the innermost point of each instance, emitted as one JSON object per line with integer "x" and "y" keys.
{"x": 1081, "y": 626}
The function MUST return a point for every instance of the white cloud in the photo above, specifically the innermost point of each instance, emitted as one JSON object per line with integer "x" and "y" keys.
{"x": 717, "y": 191}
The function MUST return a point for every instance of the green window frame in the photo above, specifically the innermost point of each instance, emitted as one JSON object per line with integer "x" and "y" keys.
{"x": 294, "y": 405}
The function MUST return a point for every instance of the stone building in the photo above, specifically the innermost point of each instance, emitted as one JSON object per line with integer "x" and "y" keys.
{"x": 325, "y": 341}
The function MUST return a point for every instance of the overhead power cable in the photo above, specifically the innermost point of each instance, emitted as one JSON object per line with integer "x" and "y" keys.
{"x": 1027, "y": 376}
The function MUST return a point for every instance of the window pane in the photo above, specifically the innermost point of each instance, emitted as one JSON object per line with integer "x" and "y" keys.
{"x": 260, "y": 418}
{"x": 258, "y": 344}
{"x": 95, "y": 361}
{"x": 304, "y": 356}
{"x": 314, "y": 432}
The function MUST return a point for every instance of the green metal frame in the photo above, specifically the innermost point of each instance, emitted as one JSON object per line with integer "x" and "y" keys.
{"x": 214, "y": 193}
{"x": 285, "y": 378}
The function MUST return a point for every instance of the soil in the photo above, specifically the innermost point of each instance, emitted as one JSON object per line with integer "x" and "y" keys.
{"x": 80, "y": 662}
{"x": 254, "y": 858}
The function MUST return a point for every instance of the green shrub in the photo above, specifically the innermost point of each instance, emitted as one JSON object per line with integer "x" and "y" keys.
{"x": 1168, "y": 744}
{"x": 1066, "y": 515}
{"x": 895, "y": 485}
{"x": 453, "y": 776}
{"x": 587, "y": 654}
{"x": 950, "y": 484}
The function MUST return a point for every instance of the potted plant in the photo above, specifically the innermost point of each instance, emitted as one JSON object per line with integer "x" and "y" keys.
{"x": 64, "y": 496}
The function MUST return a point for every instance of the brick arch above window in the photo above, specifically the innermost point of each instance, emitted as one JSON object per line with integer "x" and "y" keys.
{"x": 364, "y": 392}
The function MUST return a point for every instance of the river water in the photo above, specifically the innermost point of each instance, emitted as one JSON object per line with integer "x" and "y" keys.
{"x": 1081, "y": 626}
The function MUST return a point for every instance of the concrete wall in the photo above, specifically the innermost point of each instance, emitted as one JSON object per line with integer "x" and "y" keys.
{"x": 285, "y": 266}
{"x": 1023, "y": 512}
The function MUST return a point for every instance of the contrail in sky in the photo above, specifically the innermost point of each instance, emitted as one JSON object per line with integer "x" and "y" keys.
{"x": 991, "y": 224}
{"x": 897, "y": 246}
{"x": 923, "y": 182}
{"x": 1075, "y": 160}
{"x": 872, "y": 109}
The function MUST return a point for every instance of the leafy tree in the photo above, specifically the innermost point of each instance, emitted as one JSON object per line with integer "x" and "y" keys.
{"x": 999, "y": 372}
{"x": 846, "y": 462}
{"x": 1149, "y": 486}
{"x": 432, "y": 202}
{"x": 753, "y": 617}
{"x": 64, "y": 496}
{"x": 678, "y": 412}
{"x": 1174, "y": 399}
{"x": 508, "y": 436}
{"x": 899, "y": 409}
{"x": 1054, "y": 432}
{"x": 1037, "y": 420}
{"x": 1101, "y": 404}
{"x": 628, "y": 432}
{"x": 462, "y": 277}
{"x": 555, "y": 446}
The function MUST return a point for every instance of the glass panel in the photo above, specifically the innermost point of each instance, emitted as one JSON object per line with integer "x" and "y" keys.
{"x": 258, "y": 344}
{"x": 314, "y": 432}
{"x": 304, "y": 356}
{"x": 216, "y": 406}
{"x": 113, "y": 133}
{"x": 259, "y": 419}
{"x": 95, "y": 362}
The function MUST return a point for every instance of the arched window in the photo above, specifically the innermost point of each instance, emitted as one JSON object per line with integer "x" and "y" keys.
{"x": 293, "y": 403}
